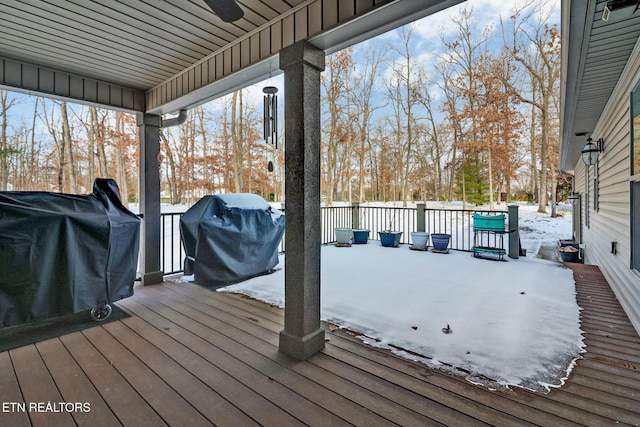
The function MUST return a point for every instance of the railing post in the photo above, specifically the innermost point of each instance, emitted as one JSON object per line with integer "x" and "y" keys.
{"x": 420, "y": 219}
{"x": 355, "y": 215}
{"x": 514, "y": 234}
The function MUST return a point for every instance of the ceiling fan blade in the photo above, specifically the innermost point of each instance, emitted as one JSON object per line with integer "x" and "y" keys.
{"x": 227, "y": 10}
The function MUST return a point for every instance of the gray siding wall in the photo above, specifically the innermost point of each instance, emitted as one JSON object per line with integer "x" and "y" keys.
{"x": 612, "y": 221}
{"x": 29, "y": 78}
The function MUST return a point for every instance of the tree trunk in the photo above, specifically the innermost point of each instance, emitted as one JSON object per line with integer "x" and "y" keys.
{"x": 34, "y": 172}
{"x": 100, "y": 142}
{"x": 544, "y": 153}
{"x": 236, "y": 140}
{"x": 121, "y": 167}
{"x": 172, "y": 175}
{"x": 490, "y": 165}
{"x": 554, "y": 186}
{"x": 4, "y": 146}
{"x": 69, "y": 172}
{"x": 205, "y": 149}
{"x": 91, "y": 149}
{"x": 534, "y": 188}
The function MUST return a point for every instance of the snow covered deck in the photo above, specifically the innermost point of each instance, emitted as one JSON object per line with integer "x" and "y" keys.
{"x": 188, "y": 356}
{"x": 492, "y": 310}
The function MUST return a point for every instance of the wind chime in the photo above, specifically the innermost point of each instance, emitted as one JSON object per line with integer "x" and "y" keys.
{"x": 271, "y": 118}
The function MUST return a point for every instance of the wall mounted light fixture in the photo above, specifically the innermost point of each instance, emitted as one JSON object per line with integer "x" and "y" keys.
{"x": 574, "y": 198}
{"x": 619, "y": 9}
{"x": 590, "y": 151}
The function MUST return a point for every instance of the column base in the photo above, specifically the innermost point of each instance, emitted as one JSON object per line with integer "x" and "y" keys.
{"x": 301, "y": 348}
{"x": 152, "y": 278}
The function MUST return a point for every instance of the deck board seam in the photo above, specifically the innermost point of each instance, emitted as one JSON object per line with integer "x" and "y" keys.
{"x": 243, "y": 319}
{"x": 208, "y": 361}
{"x": 508, "y": 395}
{"x": 181, "y": 345}
{"x": 230, "y": 338}
{"x": 461, "y": 399}
{"x": 515, "y": 395}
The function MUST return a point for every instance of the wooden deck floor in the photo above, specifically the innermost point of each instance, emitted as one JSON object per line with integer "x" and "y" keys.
{"x": 191, "y": 357}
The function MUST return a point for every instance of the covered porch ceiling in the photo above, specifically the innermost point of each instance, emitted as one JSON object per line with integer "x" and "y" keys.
{"x": 594, "y": 54}
{"x": 160, "y": 56}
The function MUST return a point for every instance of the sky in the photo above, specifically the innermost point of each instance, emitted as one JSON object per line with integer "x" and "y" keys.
{"x": 426, "y": 39}
{"x": 426, "y": 48}
{"x": 513, "y": 323}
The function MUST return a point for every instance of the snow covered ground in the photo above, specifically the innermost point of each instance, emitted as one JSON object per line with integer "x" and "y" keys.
{"x": 498, "y": 323}
{"x": 537, "y": 230}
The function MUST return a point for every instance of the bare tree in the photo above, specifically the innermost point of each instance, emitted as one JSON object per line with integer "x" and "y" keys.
{"x": 121, "y": 157}
{"x": 96, "y": 133}
{"x": 436, "y": 147}
{"x": 223, "y": 136}
{"x": 403, "y": 89}
{"x": 334, "y": 82}
{"x": 95, "y": 156}
{"x": 450, "y": 108}
{"x": 34, "y": 170}
{"x": 69, "y": 169}
{"x": 463, "y": 54}
{"x": 535, "y": 45}
{"x": 171, "y": 168}
{"x": 62, "y": 138}
{"x": 199, "y": 115}
{"x": 237, "y": 140}
{"x": 5, "y": 150}
{"x": 363, "y": 101}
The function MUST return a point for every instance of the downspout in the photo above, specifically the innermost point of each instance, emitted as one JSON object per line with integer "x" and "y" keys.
{"x": 174, "y": 121}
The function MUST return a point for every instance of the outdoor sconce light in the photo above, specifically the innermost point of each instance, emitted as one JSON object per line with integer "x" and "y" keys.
{"x": 590, "y": 151}
{"x": 619, "y": 9}
{"x": 573, "y": 198}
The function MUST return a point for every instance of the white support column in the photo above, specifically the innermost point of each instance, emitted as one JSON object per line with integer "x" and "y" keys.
{"x": 149, "y": 131}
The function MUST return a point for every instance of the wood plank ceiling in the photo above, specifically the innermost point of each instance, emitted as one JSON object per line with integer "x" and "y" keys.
{"x": 595, "y": 53}
{"x": 162, "y": 55}
{"x": 140, "y": 43}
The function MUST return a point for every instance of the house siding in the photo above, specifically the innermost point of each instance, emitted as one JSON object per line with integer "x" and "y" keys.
{"x": 611, "y": 222}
